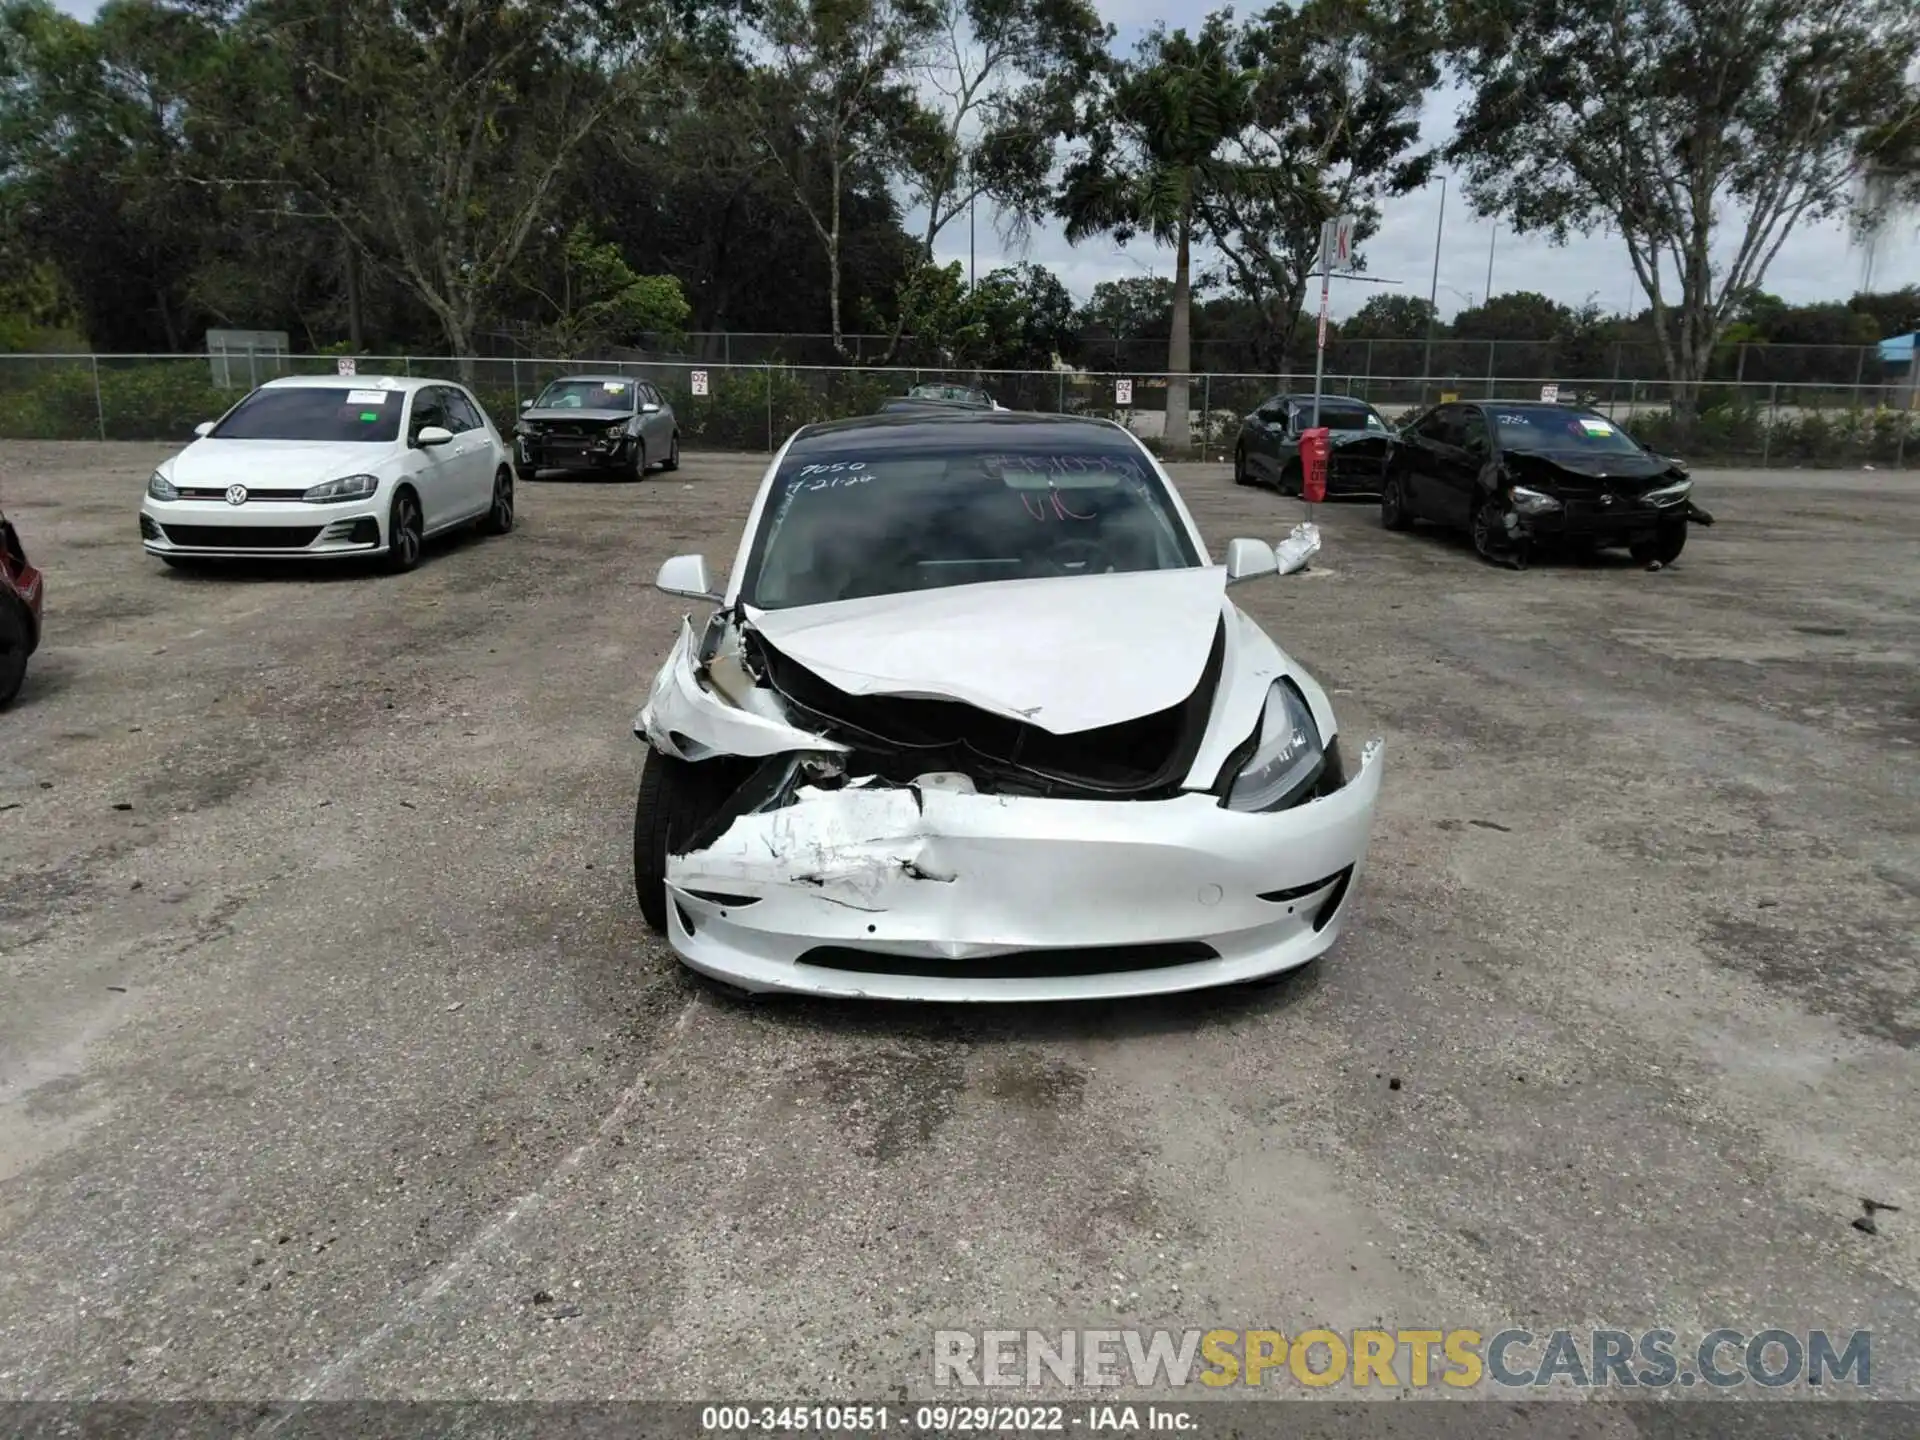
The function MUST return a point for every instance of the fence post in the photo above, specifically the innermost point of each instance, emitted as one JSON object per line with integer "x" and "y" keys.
{"x": 1369, "y": 364}
{"x": 1766, "y": 436}
{"x": 1613, "y": 390}
{"x": 766, "y": 382}
{"x": 99, "y": 405}
{"x": 253, "y": 372}
{"x": 407, "y": 360}
{"x": 1206, "y": 412}
{"x": 516, "y": 385}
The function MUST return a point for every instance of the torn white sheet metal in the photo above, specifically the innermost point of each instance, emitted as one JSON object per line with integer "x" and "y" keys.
{"x": 707, "y": 724}
{"x": 936, "y": 872}
{"x": 1298, "y": 548}
{"x": 1065, "y": 653}
{"x": 1251, "y": 665}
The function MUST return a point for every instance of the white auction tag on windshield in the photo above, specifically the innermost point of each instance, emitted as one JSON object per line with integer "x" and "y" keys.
{"x": 367, "y": 397}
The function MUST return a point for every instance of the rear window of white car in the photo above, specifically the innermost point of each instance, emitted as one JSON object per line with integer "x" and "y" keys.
{"x": 315, "y": 412}
{"x": 844, "y": 525}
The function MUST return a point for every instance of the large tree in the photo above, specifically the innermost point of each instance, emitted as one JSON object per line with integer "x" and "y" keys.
{"x": 1702, "y": 131}
{"x": 1337, "y": 122}
{"x": 836, "y": 99}
{"x": 466, "y": 116}
{"x": 1160, "y": 137}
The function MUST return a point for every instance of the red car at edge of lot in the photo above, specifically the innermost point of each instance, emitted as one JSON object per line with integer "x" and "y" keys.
{"x": 22, "y": 589}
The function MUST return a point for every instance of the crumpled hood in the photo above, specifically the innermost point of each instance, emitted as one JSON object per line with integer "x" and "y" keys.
{"x": 575, "y": 413}
{"x": 1065, "y": 653}
{"x": 1597, "y": 467}
{"x": 273, "y": 464}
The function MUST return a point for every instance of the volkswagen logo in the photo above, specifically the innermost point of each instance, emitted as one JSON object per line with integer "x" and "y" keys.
{"x": 236, "y": 494}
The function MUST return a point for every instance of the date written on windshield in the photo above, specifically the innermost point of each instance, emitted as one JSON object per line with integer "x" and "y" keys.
{"x": 824, "y": 477}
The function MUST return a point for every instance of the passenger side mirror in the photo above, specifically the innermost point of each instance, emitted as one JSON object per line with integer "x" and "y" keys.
{"x": 204, "y": 428}
{"x": 431, "y": 435}
{"x": 649, "y": 408}
{"x": 686, "y": 576}
{"x": 526, "y": 404}
{"x": 1247, "y": 559}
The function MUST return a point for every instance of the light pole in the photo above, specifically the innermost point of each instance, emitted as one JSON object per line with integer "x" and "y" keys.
{"x": 1433, "y": 292}
{"x": 1490, "y": 239}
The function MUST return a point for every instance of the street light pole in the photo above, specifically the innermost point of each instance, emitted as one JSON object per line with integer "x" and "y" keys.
{"x": 1433, "y": 292}
{"x": 1490, "y": 239}
{"x": 971, "y": 281}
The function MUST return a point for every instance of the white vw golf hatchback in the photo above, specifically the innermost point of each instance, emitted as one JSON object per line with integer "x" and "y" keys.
{"x": 324, "y": 467}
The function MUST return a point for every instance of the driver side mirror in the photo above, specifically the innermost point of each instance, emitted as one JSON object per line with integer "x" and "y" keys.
{"x": 204, "y": 428}
{"x": 686, "y": 576}
{"x": 649, "y": 407}
{"x": 1247, "y": 559}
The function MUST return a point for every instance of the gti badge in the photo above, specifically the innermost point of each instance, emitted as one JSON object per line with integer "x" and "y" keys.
{"x": 236, "y": 494}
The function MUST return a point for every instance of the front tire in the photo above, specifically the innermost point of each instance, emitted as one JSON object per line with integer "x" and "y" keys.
{"x": 1663, "y": 548}
{"x": 1393, "y": 505}
{"x": 1240, "y": 476}
{"x": 676, "y": 798}
{"x": 1292, "y": 479}
{"x": 1491, "y": 538}
{"x": 499, "y": 518}
{"x": 637, "y": 467}
{"x": 15, "y": 631}
{"x": 406, "y": 533}
{"x": 672, "y": 462}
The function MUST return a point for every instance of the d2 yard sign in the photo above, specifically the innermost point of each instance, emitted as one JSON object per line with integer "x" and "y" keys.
{"x": 699, "y": 378}
{"x": 345, "y": 365}
{"x": 1123, "y": 392}
{"x": 1549, "y": 394}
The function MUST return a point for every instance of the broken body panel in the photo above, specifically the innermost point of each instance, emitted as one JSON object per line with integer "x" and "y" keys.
{"x": 1005, "y": 791}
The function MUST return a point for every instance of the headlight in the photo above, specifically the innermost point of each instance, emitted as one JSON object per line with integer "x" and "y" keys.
{"x": 347, "y": 487}
{"x": 1669, "y": 494}
{"x": 161, "y": 488}
{"x": 1286, "y": 758}
{"x": 1532, "y": 502}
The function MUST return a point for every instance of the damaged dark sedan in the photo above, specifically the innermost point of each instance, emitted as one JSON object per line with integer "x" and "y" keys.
{"x": 1359, "y": 441}
{"x": 973, "y": 718}
{"x": 599, "y": 423}
{"x": 1514, "y": 474}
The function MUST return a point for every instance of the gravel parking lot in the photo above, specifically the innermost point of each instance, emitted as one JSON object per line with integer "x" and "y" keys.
{"x": 335, "y": 1061}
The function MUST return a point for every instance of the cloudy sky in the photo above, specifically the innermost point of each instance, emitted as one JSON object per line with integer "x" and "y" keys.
{"x": 1815, "y": 264}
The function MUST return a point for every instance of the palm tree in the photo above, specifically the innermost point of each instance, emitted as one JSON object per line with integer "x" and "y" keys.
{"x": 1155, "y": 138}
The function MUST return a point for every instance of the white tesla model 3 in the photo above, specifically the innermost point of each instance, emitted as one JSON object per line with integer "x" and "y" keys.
{"x": 974, "y": 719}
{"x": 329, "y": 467}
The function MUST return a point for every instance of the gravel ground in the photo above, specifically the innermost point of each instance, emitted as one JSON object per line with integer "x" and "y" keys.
{"x": 332, "y": 1041}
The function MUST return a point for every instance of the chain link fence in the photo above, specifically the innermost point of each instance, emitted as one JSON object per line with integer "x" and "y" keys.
{"x": 755, "y": 407}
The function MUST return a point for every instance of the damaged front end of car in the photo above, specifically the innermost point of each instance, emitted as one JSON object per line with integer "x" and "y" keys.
{"x": 922, "y": 847}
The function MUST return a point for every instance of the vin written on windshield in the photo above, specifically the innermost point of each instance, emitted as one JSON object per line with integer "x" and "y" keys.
{"x": 845, "y": 526}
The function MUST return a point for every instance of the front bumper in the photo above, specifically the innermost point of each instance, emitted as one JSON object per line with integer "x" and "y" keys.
{"x": 930, "y": 894}
{"x": 570, "y": 452}
{"x": 1614, "y": 524}
{"x": 263, "y": 528}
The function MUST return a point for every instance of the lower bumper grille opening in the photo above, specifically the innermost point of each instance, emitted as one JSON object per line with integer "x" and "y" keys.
{"x": 148, "y": 530}
{"x": 1022, "y": 965}
{"x": 1331, "y": 905}
{"x": 243, "y": 537}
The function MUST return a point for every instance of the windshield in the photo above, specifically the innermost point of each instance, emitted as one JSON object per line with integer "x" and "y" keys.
{"x": 1343, "y": 417}
{"x": 949, "y": 392}
{"x": 314, "y": 412}
{"x": 586, "y": 395}
{"x": 1551, "y": 428}
{"x": 852, "y": 523}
